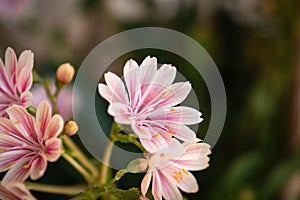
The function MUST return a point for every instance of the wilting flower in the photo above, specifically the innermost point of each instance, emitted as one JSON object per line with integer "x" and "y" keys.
{"x": 148, "y": 106}
{"x": 15, "y": 80}
{"x": 27, "y": 144}
{"x": 15, "y": 191}
{"x": 169, "y": 169}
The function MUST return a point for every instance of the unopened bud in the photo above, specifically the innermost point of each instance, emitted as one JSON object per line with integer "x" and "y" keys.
{"x": 65, "y": 73}
{"x": 71, "y": 128}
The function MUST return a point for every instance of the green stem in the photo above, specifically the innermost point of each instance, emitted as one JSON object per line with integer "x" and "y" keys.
{"x": 52, "y": 97}
{"x": 79, "y": 155}
{"x": 55, "y": 189}
{"x": 105, "y": 161}
{"x": 78, "y": 167}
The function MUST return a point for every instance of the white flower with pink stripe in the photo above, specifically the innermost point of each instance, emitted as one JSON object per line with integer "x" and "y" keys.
{"x": 15, "y": 80}
{"x": 147, "y": 102}
{"x": 169, "y": 169}
{"x": 27, "y": 144}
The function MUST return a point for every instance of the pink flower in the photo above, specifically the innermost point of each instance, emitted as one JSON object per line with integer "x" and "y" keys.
{"x": 147, "y": 103}
{"x": 27, "y": 144}
{"x": 15, "y": 191}
{"x": 15, "y": 80}
{"x": 169, "y": 169}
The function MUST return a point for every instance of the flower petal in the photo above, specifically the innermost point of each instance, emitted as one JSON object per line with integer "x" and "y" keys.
{"x": 8, "y": 128}
{"x": 165, "y": 75}
{"x": 23, "y": 121}
{"x": 53, "y": 149}
{"x": 26, "y": 99}
{"x": 157, "y": 189}
{"x": 24, "y": 82}
{"x": 43, "y": 116}
{"x": 169, "y": 191}
{"x": 10, "y": 62}
{"x": 131, "y": 73}
{"x": 105, "y": 92}
{"x": 119, "y": 112}
{"x": 180, "y": 114}
{"x": 38, "y": 167}
{"x": 146, "y": 182}
{"x": 141, "y": 131}
{"x": 54, "y": 127}
{"x": 192, "y": 164}
{"x": 10, "y": 158}
{"x": 148, "y": 70}
{"x": 4, "y": 82}
{"x": 26, "y": 59}
{"x": 154, "y": 144}
{"x": 180, "y": 131}
{"x": 117, "y": 88}
{"x": 188, "y": 183}
{"x": 18, "y": 189}
{"x": 174, "y": 94}
{"x": 19, "y": 172}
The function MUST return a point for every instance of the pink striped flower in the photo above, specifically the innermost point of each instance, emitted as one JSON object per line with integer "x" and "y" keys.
{"x": 147, "y": 103}
{"x": 27, "y": 144}
{"x": 169, "y": 169}
{"x": 15, "y": 191}
{"x": 15, "y": 80}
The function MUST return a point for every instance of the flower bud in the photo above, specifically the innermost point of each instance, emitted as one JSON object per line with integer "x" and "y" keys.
{"x": 71, "y": 128}
{"x": 65, "y": 73}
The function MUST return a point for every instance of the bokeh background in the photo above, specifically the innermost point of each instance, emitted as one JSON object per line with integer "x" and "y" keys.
{"x": 256, "y": 46}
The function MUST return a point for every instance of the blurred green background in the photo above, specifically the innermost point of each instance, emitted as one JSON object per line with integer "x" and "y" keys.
{"x": 256, "y": 46}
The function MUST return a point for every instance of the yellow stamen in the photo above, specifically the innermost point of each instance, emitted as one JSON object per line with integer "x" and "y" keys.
{"x": 3, "y": 149}
{"x": 171, "y": 131}
{"x": 38, "y": 123}
{"x": 6, "y": 131}
{"x": 46, "y": 137}
{"x": 17, "y": 122}
{"x": 173, "y": 110}
{"x": 179, "y": 174}
{"x": 185, "y": 171}
{"x": 12, "y": 163}
{"x": 26, "y": 166}
{"x": 156, "y": 135}
{"x": 177, "y": 179}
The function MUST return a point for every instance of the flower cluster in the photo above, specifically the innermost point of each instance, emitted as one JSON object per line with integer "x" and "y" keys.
{"x": 27, "y": 142}
{"x": 148, "y": 104}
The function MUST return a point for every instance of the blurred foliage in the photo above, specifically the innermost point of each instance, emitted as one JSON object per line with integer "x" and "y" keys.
{"x": 257, "y": 58}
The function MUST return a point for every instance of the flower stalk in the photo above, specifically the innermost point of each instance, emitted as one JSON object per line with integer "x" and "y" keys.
{"x": 89, "y": 179}
{"x": 55, "y": 189}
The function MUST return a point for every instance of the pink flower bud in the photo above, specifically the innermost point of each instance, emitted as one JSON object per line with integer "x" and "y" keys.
{"x": 71, "y": 128}
{"x": 65, "y": 73}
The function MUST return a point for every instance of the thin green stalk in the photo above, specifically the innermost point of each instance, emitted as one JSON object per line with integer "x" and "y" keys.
{"x": 80, "y": 156}
{"x": 106, "y": 158}
{"x": 55, "y": 189}
{"x": 78, "y": 167}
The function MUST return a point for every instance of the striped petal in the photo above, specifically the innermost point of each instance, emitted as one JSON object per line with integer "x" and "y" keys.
{"x": 53, "y": 149}
{"x": 43, "y": 117}
{"x": 23, "y": 121}
{"x": 38, "y": 167}
{"x": 131, "y": 73}
{"x": 55, "y": 127}
{"x": 24, "y": 80}
{"x": 18, "y": 172}
{"x": 26, "y": 60}
{"x": 116, "y": 86}
{"x": 180, "y": 114}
